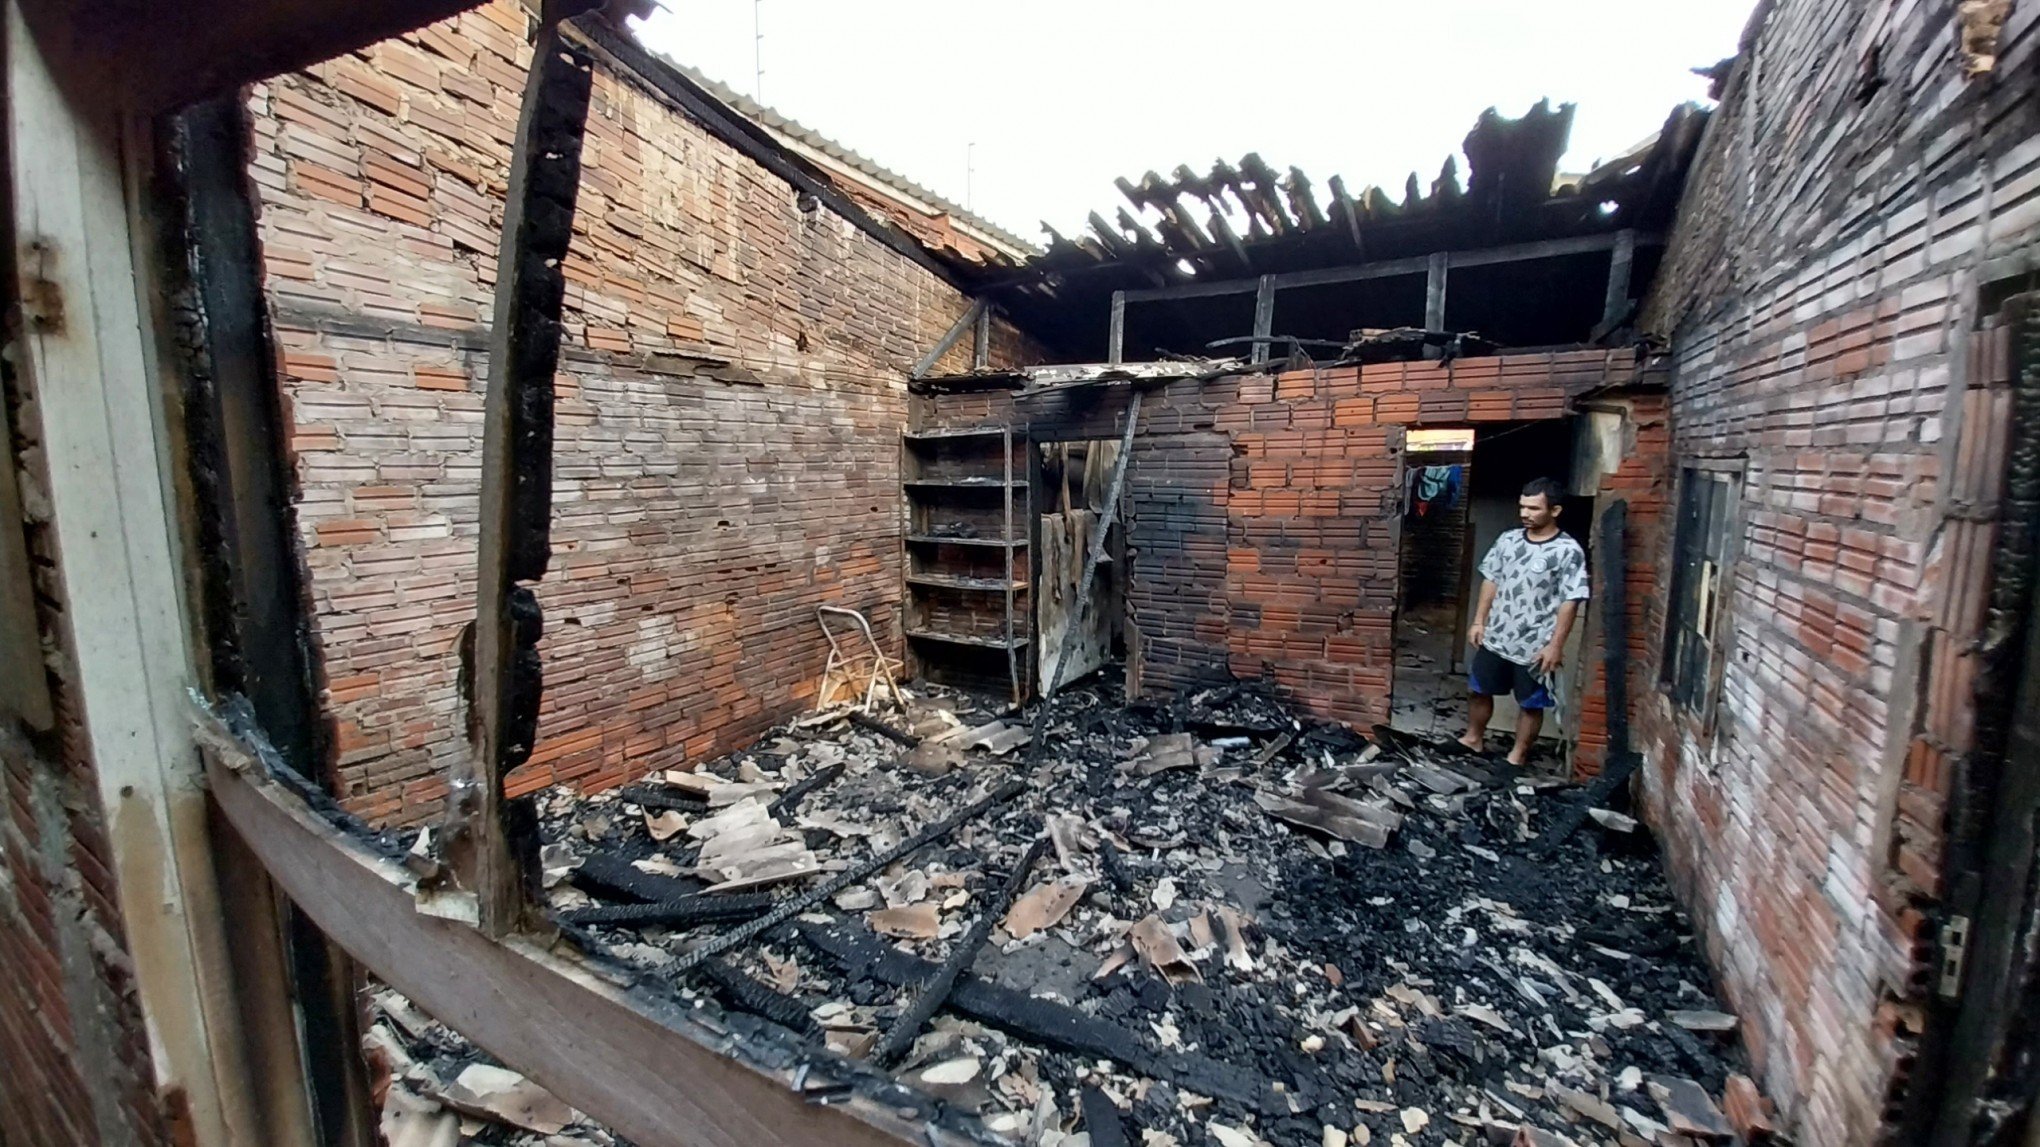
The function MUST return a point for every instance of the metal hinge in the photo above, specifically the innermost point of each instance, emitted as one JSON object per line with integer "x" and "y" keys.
{"x": 1954, "y": 953}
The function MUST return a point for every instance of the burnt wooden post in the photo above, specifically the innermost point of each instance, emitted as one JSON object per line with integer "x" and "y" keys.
{"x": 502, "y": 675}
{"x": 1115, "y": 337}
{"x": 981, "y": 353}
{"x": 1616, "y": 301}
{"x": 1434, "y": 297}
{"x": 1264, "y": 316}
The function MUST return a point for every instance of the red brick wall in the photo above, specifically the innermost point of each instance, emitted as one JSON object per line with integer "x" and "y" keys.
{"x": 1641, "y": 480}
{"x": 1818, "y": 293}
{"x": 1264, "y": 515}
{"x": 730, "y": 400}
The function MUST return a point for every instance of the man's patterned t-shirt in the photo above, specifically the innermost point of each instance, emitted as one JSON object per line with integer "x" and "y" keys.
{"x": 1531, "y": 580}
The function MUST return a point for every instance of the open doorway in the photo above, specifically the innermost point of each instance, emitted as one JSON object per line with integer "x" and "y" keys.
{"x": 1072, "y": 481}
{"x": 1461, "y": 486}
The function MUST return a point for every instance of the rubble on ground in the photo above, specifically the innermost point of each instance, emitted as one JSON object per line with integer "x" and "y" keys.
{"x": 1245, "y": 928}
{"x": 434, "y": 1089}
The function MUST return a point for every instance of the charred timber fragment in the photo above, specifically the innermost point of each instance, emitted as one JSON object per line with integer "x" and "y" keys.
{"x": 613, "y": 877}
{"x": 685, "y": 912}
{"x": 862, "y": 954}
{"x": 746, "y": 994}
{"x": 1612, "y": 778}
{"x": 900, "y": 1036}
{"x": 896, "y": 736}
{"x": 646, "y": 796}
{"x": 504, "y": 682}
{"x": 789, "y": 801}
{"x": 1101, "y": 1119}
{"x": 862, "y": 871}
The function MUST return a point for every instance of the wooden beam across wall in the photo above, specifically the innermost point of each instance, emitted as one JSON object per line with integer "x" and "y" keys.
{"x": 641, "y": 1065}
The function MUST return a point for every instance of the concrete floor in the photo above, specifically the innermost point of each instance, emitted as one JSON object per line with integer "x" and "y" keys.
{"x": 1430, "y": 689}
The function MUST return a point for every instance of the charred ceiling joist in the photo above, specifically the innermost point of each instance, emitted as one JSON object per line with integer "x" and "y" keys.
{"x": 503, "y": 680}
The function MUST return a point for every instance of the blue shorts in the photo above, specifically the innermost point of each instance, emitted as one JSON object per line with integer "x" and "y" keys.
{"x": 1491, "y": 673}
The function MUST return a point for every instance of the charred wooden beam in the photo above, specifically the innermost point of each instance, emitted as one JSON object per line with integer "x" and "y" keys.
{"x": 1223, "y": 177}
{"x": 1445, "y": 189}
{"x": 1056, "y": 1026}
{"x": 1101, "y": 1119}
{"x": 1115, "y": 336}
{"x": 900, "y": 1036}
{"x": 746, "y": 994}
{"x": 1114, "y": 242}
{"x": 949, "y": 338}
{"x": 789, "y": 801}
{"x": 686, "y": 912}
{"x": 1265, "y": 189}
{"x": 503, "y": 682}
{"x": 1388, "y": 268}
{"x": 1615, "y": 304}
{"x": 1230, "y": 239}
{"x": 1301, "y": 201}
{"x": 1434, "y": 297}
{"x": 610, "y": 876}
{"x": 1614, "y": 774}
{"x": 857, "y": 873}
{"x": 1264, "y": 316}
{"x": 646, "y": 796}
{"x": 897, "y": 736}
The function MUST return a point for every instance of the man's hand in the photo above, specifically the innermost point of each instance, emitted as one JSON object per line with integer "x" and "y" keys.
{"x": 1476, "y": 633}
{"x": 1547, "y": 659}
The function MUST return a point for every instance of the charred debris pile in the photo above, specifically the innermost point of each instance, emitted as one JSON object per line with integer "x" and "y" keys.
{"x": 1205, "y": 921}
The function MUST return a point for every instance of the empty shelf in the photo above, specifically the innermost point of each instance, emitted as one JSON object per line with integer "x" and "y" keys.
{"x": 941, "y": 540}
{"x": 981, "y": 640}
{"x": 964, "y": 483}
{"x": 953, "y": 435}
{"x": 957, "y": 581}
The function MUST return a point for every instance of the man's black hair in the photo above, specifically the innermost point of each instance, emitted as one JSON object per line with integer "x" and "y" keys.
{"x": 1549, "y": 487}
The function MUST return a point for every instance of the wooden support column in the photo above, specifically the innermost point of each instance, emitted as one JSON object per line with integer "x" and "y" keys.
{"x": 503, "y": 677}
{"x": 981, "y": 354}
{"x": 85, "y": 356}
{"x": 1115, "y": 338}
{"x": 1264, "y": 316}
{"x": 1620, "y": 259}
{"x": 1434, "y": 298}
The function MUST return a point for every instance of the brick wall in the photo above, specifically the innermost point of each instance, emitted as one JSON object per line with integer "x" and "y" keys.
{"x": 729, "y": 405}
{"x": 1819, "y": 291}
{"x": 1264, "y": 515}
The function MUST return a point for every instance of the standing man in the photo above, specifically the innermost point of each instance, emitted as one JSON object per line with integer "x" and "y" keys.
{"x": 1533, "y": 581}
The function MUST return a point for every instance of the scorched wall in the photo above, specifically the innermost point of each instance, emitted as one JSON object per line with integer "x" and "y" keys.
{"x": 729, "y": 407}
{"x": 1821, "y": 291}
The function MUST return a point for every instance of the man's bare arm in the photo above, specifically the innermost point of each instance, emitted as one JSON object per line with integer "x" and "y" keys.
{"x": 1478, "y": 630}
{"x": 1549, "y": 657}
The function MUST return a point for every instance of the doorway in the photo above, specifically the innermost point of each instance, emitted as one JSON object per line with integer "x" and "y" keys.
{"x": 1459, "y": 495}
{"x": 1072, "y": 481}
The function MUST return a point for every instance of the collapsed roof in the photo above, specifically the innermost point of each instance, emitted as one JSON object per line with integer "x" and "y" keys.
{"x": 1244, "y": 220}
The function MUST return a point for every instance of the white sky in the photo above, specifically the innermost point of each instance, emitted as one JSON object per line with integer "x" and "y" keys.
{"x": 1060, "y": 96}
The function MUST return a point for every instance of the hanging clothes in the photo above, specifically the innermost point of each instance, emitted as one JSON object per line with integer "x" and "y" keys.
{"x": 1434, "y": 489}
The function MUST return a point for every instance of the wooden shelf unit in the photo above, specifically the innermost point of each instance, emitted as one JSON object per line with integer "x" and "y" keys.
{"x": 969, "y": 573}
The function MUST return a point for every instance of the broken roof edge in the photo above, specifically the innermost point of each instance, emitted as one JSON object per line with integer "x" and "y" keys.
{"x": 824, "y": 151}
{"x": 1033, "y": 379}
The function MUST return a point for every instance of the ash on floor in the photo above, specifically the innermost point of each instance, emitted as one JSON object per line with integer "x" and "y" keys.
{"x": 1247, "y": 928}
